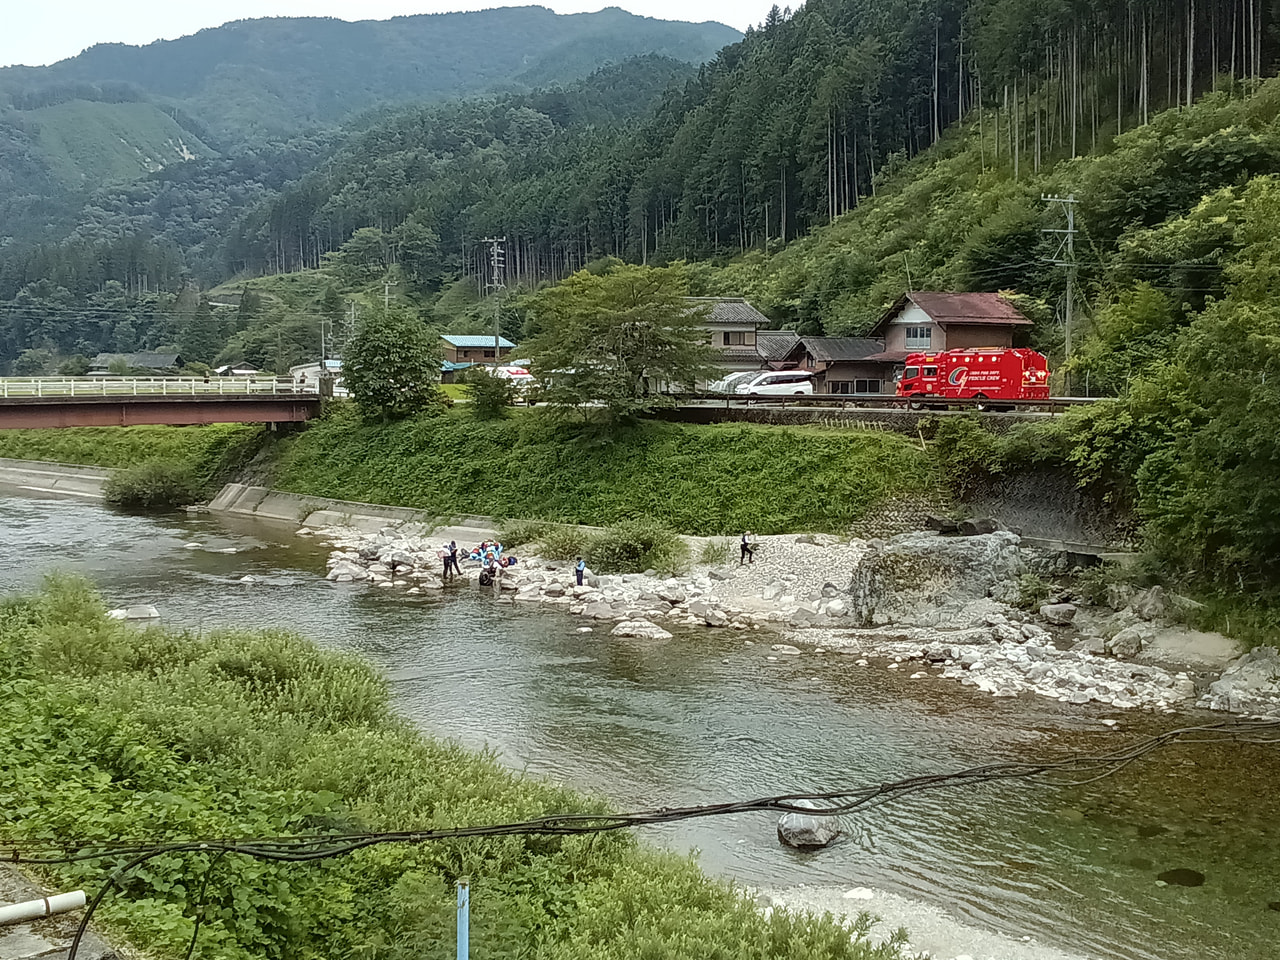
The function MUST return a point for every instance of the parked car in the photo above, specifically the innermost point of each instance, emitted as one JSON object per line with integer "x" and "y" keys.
{"x": 778, "y": 383}
{"x": 729, "y": 384}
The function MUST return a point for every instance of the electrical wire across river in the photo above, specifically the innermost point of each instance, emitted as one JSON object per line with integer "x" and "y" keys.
{"x": 1074, "y": 771}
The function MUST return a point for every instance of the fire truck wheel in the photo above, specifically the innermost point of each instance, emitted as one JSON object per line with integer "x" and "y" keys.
{"x": 916, "y": 402}
{"x": 984, "y": 405}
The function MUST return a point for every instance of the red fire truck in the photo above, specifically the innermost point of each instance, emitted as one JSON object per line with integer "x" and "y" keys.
{"x": 980, "y": 373}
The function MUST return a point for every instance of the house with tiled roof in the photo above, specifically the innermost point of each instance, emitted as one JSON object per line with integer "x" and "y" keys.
{"x": 925, "y": 321}
{"x": 732, "y": 324}
{"x": 840, "y": 365}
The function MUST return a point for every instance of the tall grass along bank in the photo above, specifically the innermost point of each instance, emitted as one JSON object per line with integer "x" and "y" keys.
{"x": 205, "y": 452}
{"x": 703, "y": 480}
{"x": 111, "y": 734}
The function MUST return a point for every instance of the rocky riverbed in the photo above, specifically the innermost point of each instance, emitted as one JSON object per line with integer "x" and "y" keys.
{"x": 948, "y": 607}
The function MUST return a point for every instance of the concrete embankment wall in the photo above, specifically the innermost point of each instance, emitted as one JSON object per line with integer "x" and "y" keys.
{"x": 246, "y": 501}
{"x": 53, "y": 477}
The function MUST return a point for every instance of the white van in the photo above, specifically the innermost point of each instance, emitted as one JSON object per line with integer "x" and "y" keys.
{"x": 778, "y": 383}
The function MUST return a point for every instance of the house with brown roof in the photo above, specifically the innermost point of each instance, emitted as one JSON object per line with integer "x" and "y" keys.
{"x": 841, "y": 365}
{"x": 925, "y": 321}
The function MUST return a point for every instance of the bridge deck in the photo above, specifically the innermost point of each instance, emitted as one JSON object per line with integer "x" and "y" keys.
{"x": 94, "y": 402}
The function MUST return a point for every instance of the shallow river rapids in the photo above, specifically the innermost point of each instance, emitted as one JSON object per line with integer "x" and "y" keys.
{"x": 706, "y": 718}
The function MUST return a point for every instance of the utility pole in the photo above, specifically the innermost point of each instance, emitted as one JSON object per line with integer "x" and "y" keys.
{"x": 1065, "y": 256}
{"x": 497, "y": 271}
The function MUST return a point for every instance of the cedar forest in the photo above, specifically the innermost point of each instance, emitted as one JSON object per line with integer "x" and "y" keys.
{"x": 831, "y": 159}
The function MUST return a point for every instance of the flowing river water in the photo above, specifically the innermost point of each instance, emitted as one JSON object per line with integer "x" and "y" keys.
{"x": 706, "y": 718}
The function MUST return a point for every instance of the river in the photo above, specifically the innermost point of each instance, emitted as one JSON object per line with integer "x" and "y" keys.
{"x": 707, "y": 718}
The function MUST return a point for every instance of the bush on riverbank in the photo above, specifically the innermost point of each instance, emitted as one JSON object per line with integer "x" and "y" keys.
{"x": 704, "y": 480}
{"x": 177, "y": 736}
{"x": 154, "y": 485}
{"x": 632, "y": 546}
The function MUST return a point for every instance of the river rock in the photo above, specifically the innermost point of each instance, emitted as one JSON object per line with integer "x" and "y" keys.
{"x": 1131, "y": 641}
{"x": 1059, "y": 614}
{"x": 837, "y": 608}
{"x": 977, "y": 528}
{"x": 919, "y": 574}
{"x": 806, "y": 832}
{"x": 598, "y": 610}
{"x": 672, "y": 592}
{"x": 1150, "y": 604}
{"x": 1250, "y": 684}
{"x": 640, "y": 629}
{"x": 719, "y": 573}
{"x": 140, "y": 611}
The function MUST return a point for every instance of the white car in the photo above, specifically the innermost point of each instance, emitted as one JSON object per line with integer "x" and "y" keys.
{"x": 729, "y": 384}
{"x": 778, "y": 383}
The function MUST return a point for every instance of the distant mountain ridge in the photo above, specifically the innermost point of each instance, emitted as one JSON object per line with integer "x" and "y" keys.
{"x": 280, "y": 75}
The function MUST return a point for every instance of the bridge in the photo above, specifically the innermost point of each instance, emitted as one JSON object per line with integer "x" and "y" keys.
{"x": 40, "y": 402}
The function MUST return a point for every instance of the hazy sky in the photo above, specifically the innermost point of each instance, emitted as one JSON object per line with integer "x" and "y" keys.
{"x": 37, "y": 32}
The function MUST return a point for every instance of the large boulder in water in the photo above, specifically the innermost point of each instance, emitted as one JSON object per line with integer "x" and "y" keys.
{"x": 920, "y": 577}
{"x": 805, "y": 832}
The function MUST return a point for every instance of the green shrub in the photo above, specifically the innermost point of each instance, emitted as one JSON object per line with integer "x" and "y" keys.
{"x": 491, "y": 396}
{"x": 635, "y": 546}
{"x": 153, "y": 485}
{"x": 516, "y": 533}
{"x": 715, "y": 553}
{"x": 561, "y": 542}
{"x": 1033, "y": 591}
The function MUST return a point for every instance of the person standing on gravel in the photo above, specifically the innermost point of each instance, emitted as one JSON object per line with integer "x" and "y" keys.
{"x": 748, "y": 554}
{"x": 580, "y": 569}
{"x": 453, "y": 557}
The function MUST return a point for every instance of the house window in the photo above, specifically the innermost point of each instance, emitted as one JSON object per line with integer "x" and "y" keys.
{"x": 866, "y": 386}
{"x": 839, "y": 386}
{"x": 919, "y": 338}
{"x": 735, "y": 338}
{"x": 488, "y": 354}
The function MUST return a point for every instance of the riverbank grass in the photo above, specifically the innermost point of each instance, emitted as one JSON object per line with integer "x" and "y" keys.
{"x": 165, "y": 735}
{"x": 207, "y": 453}
{"x": 699, "y": 480}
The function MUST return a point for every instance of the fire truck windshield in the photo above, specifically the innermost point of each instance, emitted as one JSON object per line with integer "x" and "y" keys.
{"x": 910, "y": 373}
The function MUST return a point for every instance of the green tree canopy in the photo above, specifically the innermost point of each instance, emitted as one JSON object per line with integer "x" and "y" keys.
{"x": 392, "y": 365}
{"x": 618, "y": 338}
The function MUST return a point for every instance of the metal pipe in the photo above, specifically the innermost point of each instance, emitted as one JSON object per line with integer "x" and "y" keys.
{"x": 44, "y": 907}
{"x": 464, "y": 919}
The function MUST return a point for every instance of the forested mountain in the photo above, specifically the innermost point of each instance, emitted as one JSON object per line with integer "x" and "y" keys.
{"x": 803, "y": 119}
{"x": 280, "y": 75}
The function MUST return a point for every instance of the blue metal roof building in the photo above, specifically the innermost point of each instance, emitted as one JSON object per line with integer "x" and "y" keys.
{"x": 474, "y": 342}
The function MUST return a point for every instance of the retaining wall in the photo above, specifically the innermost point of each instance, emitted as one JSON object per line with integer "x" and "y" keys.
{"x": 247, "y": 501}
{"x": 53, "y": 477}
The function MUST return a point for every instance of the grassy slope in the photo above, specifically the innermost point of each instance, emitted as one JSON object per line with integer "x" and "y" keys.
{"x": 262, "y": 734}
{"x": 207, "y": 451}
{"x": 98, "y": 143}
{"x": 699, "y": 480}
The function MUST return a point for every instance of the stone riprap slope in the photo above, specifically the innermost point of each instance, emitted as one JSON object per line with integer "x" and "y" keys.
{"x": 938, "y": 606}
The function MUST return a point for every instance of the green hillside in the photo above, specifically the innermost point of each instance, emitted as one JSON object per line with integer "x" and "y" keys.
{"x": 280, "y": 75}
{"x": 86, "y": 143}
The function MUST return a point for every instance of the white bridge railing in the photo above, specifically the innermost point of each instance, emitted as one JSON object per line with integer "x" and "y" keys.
{"x": 23, "y": 387}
